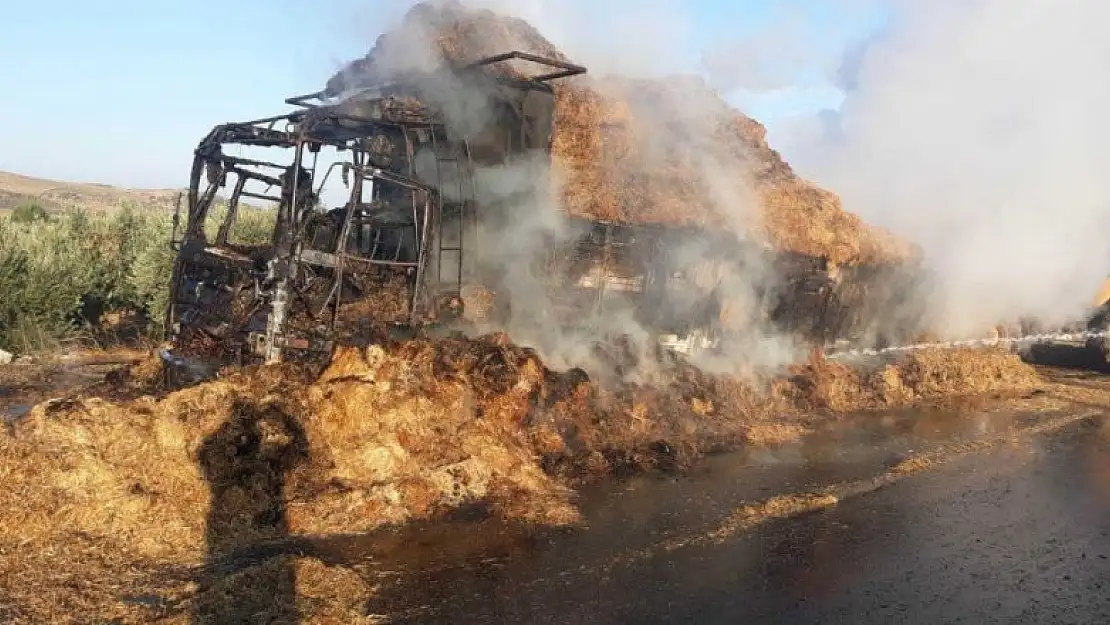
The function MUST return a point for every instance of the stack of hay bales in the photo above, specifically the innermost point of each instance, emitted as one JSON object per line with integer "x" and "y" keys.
{"x": 648, "y": 151}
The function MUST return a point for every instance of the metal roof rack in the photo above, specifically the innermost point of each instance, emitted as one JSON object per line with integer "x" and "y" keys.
{"x": 563, "y": 70}
{"x": 303, "y": 100}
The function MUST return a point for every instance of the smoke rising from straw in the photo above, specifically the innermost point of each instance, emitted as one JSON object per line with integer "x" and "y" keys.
{"x": 974, "y": 128}
{"x": 642, "y": 39}
{"x": 978, "y": 129}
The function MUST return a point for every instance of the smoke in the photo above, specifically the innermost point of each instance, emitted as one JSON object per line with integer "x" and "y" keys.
{"x": 530, "y": 237}
{"x": 624, "y": 37}
{"x": 971, "y": 127}
{"x": 977, "y": 128}
{"x": 768, "y": 60}
{"x": 681, "y": 119}
{"x": 678, "y": 123}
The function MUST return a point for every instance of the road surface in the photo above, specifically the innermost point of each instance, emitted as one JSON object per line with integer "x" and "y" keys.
{"x": 1019, "y": 533}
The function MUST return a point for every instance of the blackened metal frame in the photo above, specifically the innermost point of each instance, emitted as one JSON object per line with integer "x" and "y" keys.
{"x": 312, "y": 129}
{"x": 315, "y": 124}
{"x": 563, "y": 69}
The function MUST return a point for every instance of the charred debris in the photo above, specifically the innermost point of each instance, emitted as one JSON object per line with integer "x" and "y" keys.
{"x": 416, "y": 241}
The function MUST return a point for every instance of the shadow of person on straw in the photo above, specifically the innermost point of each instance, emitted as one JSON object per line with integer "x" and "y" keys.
{"x": 246, "y": 463}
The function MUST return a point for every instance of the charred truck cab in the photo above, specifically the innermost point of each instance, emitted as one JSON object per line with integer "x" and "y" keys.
{"x": 397, "y": 251}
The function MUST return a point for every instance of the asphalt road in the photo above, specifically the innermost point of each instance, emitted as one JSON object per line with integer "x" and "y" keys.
{"x": 1016, "y": 534}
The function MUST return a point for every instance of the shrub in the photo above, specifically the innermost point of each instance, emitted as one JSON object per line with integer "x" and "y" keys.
{"x": 59, "y": 275}
{"x": 29, "y": 212}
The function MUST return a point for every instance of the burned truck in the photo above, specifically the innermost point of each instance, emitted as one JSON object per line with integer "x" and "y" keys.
{"x": 415, "y": 241}
{"x": 395, "y": 251}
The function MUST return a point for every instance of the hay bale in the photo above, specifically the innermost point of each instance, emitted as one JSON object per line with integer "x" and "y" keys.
{"x": 641, "y": 151}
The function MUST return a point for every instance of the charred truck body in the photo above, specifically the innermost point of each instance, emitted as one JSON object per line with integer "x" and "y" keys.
{"x": 411, "y": 244}
{"x": 399, "y": 244}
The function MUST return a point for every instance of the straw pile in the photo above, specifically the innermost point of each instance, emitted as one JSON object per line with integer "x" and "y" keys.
{"x": 385, "y": 434}
{"x": 643, "y": 151}
{"x": 411, "y": 429}
{"x": 389, "y": 433}
{"x": 929, "y": 375}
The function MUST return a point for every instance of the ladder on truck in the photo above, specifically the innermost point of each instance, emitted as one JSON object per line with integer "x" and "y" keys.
{"x": 457, "y": 215}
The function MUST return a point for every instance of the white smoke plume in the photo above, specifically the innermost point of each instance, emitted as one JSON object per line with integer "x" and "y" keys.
{"x": 768, "y": 60}
{"x": 626, "y": 37}
{"x": 978, "y": 129}
{"x": 640, "y": 39}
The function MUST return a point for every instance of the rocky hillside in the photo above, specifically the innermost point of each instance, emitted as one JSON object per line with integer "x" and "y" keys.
{"x": 53, "y": 195}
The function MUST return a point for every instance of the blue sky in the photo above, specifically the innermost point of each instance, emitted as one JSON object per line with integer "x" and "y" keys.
{"x": 120, "y": 91}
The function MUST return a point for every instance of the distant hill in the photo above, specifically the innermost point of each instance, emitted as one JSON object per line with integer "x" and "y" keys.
{"x": 53, "y": 195}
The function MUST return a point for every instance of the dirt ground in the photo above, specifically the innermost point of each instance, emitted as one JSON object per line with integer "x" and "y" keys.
{"x": 33, "y": 381}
